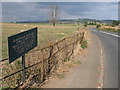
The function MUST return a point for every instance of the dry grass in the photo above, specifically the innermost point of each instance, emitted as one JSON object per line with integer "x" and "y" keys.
{"x": 47, "y": 34}
{"x": 115, "y": 28}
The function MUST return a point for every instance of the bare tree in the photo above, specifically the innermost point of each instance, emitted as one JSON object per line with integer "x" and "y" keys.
{"x": 54, "y": 14}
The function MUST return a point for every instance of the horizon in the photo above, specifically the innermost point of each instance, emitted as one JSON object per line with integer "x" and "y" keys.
{"x": 44, "y": 21}
{"x": 38, "y": 11}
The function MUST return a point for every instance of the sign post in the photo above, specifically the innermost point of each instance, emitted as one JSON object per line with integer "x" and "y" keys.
{"x": 23, "y": 67}
{"x": 20, "y": 44}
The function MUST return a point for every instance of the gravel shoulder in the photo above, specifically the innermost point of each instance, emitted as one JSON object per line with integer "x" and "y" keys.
{"x": 83, "y": 75}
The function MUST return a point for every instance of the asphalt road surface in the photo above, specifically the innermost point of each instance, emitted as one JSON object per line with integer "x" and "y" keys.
{"x": 110, "y": 47}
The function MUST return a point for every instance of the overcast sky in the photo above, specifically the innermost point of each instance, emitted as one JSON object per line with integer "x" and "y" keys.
{"x": 60, "y": 0}
{"x": 32, "y": 11}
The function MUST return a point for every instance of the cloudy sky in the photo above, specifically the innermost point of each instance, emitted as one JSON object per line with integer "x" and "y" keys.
{"x": 32, "y": 11}
{"x": 60, "y": 0}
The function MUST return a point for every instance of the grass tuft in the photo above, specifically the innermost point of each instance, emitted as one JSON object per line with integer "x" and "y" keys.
{"x": 67, "y": 59}
{"x": 77, "y": 62}
{"x": 84, "y": 44}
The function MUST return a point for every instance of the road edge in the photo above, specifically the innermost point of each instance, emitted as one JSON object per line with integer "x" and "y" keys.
{"x": 100, "y": 84}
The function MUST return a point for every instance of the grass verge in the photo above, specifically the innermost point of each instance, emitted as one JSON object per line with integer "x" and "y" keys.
{"x": 109, "y": 30}
{"x": 84, "y": 44}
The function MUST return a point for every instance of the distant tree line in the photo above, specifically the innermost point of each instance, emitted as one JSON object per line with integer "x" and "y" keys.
{"x": 114, "y": 23}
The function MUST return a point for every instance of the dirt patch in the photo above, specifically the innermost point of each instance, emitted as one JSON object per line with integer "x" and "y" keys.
{"x": 62, "y": 72}
{"x": 84, "y": 74}
{"x": 65, "y": 69}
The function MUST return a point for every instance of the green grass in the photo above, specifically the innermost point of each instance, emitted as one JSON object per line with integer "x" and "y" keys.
{"x": 84, "y": 44}
{"x": 67, "y": 59}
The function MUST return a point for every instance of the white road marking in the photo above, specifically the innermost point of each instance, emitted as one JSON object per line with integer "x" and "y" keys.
{"x": 107, "y": 33}
{"x": 110, "y": 34}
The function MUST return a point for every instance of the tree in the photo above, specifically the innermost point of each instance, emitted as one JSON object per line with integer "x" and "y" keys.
{"x": 78, "y": 21}
{"x": 97, "y": 26}
{"x": 115, "y": 23}
{"x": 94, "y": 22}
{"x": 85, "y": 24}
{"x": 54, "y": 14}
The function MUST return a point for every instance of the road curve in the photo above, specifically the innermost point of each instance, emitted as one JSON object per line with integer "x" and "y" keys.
{"x": 110, "y": 45}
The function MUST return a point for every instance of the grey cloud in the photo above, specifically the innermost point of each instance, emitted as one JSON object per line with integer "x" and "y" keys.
{"x": 23, "y": 12}
{"x": 94, "y": 10}
{"x": 27, "y": 11}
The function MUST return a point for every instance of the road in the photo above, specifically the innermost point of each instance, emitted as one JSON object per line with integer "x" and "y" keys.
{"x": 87, "y": 73}
{"x": 110, "y": 46}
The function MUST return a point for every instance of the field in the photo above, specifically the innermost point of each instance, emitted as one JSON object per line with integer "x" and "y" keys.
{"x": 47, "y": 34}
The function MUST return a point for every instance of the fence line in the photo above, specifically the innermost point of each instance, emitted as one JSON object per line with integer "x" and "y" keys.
{"x": 41, "y": 48}
{"x": 43, "y": 60}
{"x": 4, "y": 60}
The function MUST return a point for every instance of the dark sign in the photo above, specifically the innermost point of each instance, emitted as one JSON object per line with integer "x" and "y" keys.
{"x": 21, "y": 43}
